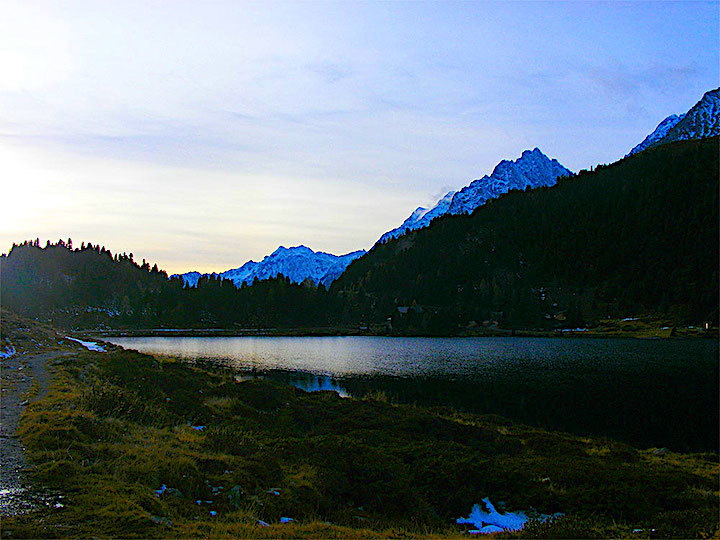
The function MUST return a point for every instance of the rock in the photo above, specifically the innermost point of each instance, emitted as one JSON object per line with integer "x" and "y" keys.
{"x": 660, "y": 452}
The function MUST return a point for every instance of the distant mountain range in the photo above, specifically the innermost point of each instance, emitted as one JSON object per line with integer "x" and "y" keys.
{"x": 531, "y": 170}
{"x": 703, "y": 120}
{"x": 297, "y": 263}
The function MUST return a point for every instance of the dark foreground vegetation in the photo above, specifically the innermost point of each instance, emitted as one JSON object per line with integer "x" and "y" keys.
{"x": 116, "y": 427}
{"x": 638, "y": 237}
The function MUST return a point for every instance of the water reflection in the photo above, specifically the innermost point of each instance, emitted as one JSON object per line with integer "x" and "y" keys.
{"x": 317, "y": 383}
{"x": 412, "y": 357}
{"x": 309, "y": 382}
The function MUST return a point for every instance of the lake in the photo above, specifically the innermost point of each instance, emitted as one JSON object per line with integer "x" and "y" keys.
{"x": 646, "y": 392}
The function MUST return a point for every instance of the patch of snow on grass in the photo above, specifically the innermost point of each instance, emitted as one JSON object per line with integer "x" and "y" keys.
{"x": 487, "y": 529}
{"x": 512, "y": 521}
{"x": 90, "y": 345}
{"x": 493, "y": 521}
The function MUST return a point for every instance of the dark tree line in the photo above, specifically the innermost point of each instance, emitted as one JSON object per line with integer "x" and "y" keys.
{"x": 90, "y": 287}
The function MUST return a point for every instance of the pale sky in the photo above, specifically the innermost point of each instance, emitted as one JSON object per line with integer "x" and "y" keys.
{"x": 199, "y": 135}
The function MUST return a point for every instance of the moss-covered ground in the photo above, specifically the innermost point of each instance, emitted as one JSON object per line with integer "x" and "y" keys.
{"x": 233, "y": 456}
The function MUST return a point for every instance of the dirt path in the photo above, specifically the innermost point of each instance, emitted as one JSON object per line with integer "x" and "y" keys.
{"x": 18, "y": 375}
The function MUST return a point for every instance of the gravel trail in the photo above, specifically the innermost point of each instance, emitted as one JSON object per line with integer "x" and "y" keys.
{"x": 17, "y": 375}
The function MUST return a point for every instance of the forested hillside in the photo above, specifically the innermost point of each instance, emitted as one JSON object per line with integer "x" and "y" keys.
{"x": 85, "y": 283}
{"x": 638, "y": 236}
{"x": 89, "y": 287}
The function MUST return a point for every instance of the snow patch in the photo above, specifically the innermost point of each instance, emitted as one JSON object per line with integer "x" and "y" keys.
{"x": 90, "y": 345}
{"x": 7, "y": 352}
{"x": 487, "y": 529}
{"x": 512, "y": 521}
{"x": 491, "y": 521}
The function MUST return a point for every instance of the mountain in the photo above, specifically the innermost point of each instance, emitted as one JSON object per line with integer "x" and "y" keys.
{"x": 702, "y": 121}
{"x": 297, "y": 263}
{"x": 421, "y": 217}
{"x": 190, "y": 278}
{"x": 660, "y": 132}
{"x": 532, "y": 169}
{"x": 635, "y": 237}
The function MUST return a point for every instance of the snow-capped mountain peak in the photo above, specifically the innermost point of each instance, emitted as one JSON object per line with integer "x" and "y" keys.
{"x": 282, "y": 250}
{"x": 660, "y": 131}
{"x": 297, "y": 263}
{"x": 702, "y": 120}
{"x": 421, "y": 217}
{"x": 418, "y": 213}
{"x": 532, "y": 169}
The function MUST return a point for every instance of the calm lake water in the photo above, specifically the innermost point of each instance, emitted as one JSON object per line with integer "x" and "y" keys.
{"x": 648, "y": 392}
{"x": 410, "y": 357}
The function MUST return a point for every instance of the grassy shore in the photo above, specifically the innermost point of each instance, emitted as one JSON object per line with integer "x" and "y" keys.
{"x": 233, "y": 456}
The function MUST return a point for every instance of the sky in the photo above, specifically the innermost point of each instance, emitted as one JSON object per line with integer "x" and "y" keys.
{"x": 201, "y": 134}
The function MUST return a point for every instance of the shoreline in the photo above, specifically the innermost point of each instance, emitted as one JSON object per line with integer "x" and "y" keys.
{"x": 650, "y": 333}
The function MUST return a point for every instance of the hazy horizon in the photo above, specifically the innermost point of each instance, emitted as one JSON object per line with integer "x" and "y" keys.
{"x": 201, "y": 135}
